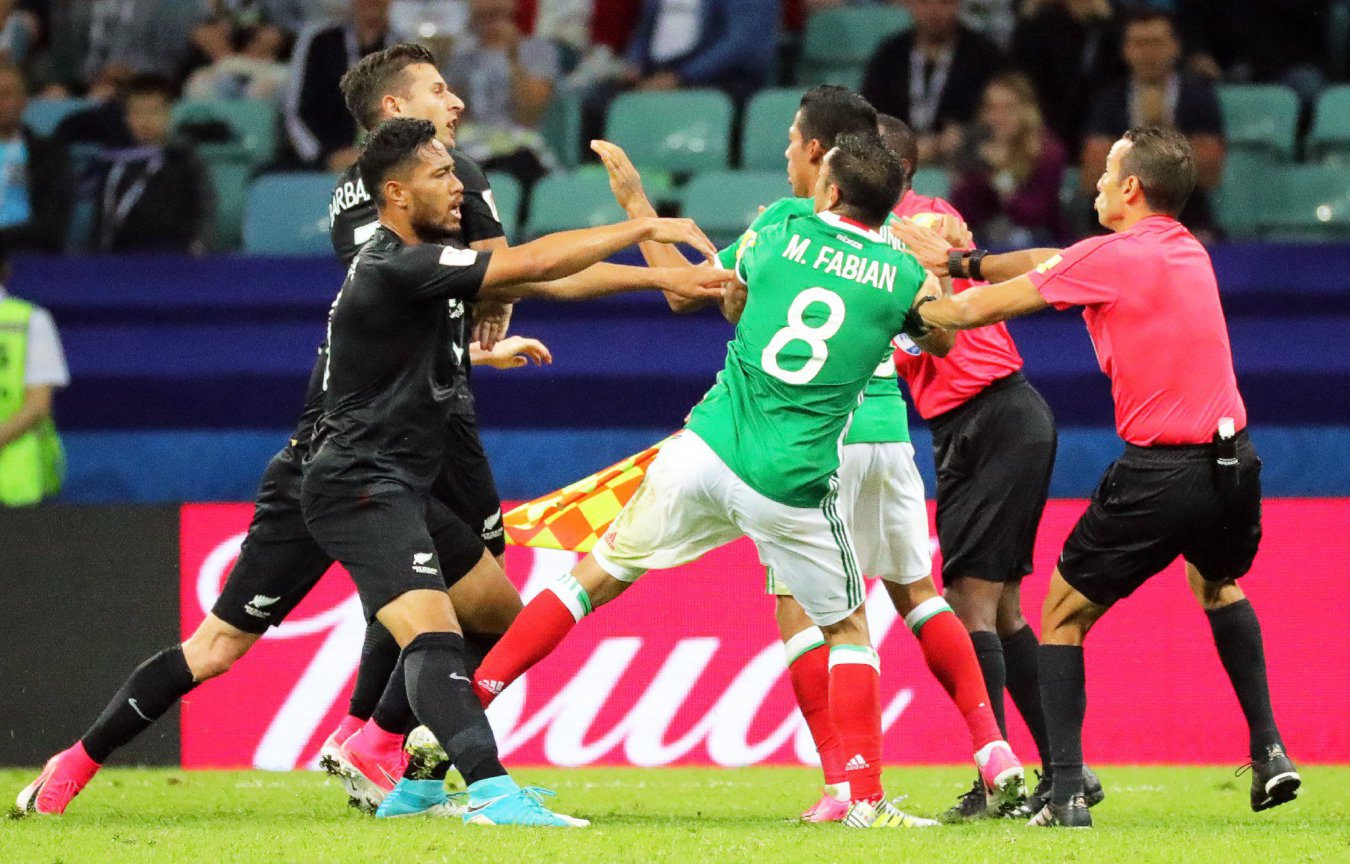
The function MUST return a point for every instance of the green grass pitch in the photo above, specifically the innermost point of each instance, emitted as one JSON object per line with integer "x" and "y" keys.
{"x": 1151, "y": 814}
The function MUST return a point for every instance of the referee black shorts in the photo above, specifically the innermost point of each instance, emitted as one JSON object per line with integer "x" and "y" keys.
{"x": 466, "y": 484}
{"x": 994, "y": 455}
{"x": 392, "y": 540}
{"x": 279, "y": 562}
{"x": 1157, "y": 503}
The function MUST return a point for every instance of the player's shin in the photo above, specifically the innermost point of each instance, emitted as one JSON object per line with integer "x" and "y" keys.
{"x": 1237, "y": 636}
{"x": 379, "y": 658}
{"x": 948, "y": 651}
{"x": 808, "y": 661}
{"x": 151, "y": 690}
{"x": 1021, "y": 661}
{"x": 855, "y": 707}
{"x": 442, "y": 696}
{"x": 541, "y": 626}
{"x": 1064, "y": 697}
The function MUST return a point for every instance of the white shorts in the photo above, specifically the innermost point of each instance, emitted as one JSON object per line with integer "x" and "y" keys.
{"x": 690, "y": 503}
{"x": 881, "y": 499}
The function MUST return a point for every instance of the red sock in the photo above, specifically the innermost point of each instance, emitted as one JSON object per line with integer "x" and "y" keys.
{"x": 810, "y": 674}
{"x": 541, "y": 625}
{"x": 949, "y": 654}
{"x": 855, "y": 707}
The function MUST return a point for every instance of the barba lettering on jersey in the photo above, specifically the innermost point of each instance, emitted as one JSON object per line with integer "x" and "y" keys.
{"x": 845, "y": 265}
{"x": 346, "y": 196}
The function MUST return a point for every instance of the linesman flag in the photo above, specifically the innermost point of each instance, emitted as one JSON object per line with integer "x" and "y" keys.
{"x": 579, "y": 514}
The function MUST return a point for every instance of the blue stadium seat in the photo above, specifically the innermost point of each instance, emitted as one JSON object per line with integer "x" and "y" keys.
{"x": 1329, "y": 138}
{"x": 287, "y": 214}
{"x": 839, "y": 42}
{"x": 507, "y": 197}
{"x": 1260, "y": 117}
{"x": 581, "y": 199}
{"x": 252, "y": 122}
{"x": 684, "y": 130}
{"x": 44, "y": 115}
{"x": 1307, "y": 202}
{"x": 764, "y": 129}
{"x": 724, "y": 203}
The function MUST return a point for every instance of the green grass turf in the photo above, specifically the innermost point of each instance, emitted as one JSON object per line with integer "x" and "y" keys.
{"x": 677, "y": 815}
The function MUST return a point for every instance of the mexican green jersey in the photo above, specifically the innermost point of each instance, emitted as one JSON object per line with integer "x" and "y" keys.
{"x": 825, "y": 298}
{"x": 882, "y": 417}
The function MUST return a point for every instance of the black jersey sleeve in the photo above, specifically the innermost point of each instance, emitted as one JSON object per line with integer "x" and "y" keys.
{"x": 479, "y": 218}
{"x": 433, "y": 272}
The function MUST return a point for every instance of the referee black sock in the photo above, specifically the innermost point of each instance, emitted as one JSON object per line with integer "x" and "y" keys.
{"x": 1237, "y": 635}
{"x": 154, "y": 688}
{"x": 441, "y": 694}
{"x": 379, "y": 658}
{"x": 1064, "y": 697}
{"x": 1021, "y": 659}
{"x": 989, "y": 651}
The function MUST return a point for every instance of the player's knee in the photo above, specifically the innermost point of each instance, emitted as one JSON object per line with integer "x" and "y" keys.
{"x": 1067, "y": 615}
{"x": 1010, "y": 617}
{"x": 211, "y": 655}
{"x": 906, "y": 598}
{"x": 1212, "y": 594}
{"x": 791, "y": 617}
{"x": 850, "y": 631}
{"x": 975, "y": 602}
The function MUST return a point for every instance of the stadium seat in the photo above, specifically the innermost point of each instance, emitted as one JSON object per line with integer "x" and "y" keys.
{"x": 507, "y": 196}
{"x": 686, "y": 130}
{"x": 764, "y": 129}
{"x": 561, "y": 127}
{"x": 932, "y": 182}
{"x": 839, "y": 42}
{"x": 287, "y": 214}
{"x": 1260, "y": 117}
{"x": 44, "y": 115}
{"x": 252, "y": 122}
{"x": 724, "y": 203}
{"x": 1329, "y": 138}
{"x": 578, "y": 200}
{"x": 1241, "y": 197}
{"x": 229, "y": 179}
{"x": 1307, "y": 202}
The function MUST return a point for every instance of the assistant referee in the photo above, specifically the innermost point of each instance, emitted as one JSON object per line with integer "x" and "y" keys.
{"x": 1189, "y": 482}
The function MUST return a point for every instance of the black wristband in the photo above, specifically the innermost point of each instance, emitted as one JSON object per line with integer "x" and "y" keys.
{"x": 956, "y": 263}
{"x": 914, "y": 326}
{"x": 973, "y": 269}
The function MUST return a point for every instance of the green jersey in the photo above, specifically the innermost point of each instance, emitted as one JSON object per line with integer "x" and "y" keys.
{"x": 825, "y": 298}
{"x": 881, "y": 418}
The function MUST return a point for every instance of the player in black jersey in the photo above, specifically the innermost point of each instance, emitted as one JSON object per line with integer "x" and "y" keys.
{"x": 388, "y": 394}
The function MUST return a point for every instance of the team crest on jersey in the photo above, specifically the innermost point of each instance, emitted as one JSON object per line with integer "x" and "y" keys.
{"x": 906, "y": 344}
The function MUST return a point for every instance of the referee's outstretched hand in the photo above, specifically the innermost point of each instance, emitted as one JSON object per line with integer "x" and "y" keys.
{"x": 696, "y": 283}
{"x": 665, "y": 230}
{"x": 924, "y": 243}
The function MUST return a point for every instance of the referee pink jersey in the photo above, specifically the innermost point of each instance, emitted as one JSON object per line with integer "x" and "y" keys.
{"x": 1151, "y": 304}
{"x": 979, "y": 357}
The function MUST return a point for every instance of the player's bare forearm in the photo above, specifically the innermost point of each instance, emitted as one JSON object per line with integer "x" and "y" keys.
{"x": 603, "y": 280}
{"x": 938, "y": 341}
{"x": 1010, "y": 265}
{"x": 983, "y": 305}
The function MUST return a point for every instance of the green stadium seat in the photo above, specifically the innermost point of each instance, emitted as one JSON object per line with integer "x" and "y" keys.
{"x": 724, "y": 203}
{"x": 506, "y": 197}
{"x": 581, "y": 199}
{"x": 1260, "y": 117}
{"x": 287, "y": 214}
{"x": 764, "y": 129}
{"x": 1241, "y": 198}
{"x": 253, "y": 123}
{"x": 44, "y": 115}
{"x": 1329, "y": 138}
{"x": 1308, "y": 202}
{"x": 682, "y": 131}
{"x": 933, "y": 182}
{"x": 838, "y": 42}
{"x": 229, "y": 179}
{"x": 561, "y": 127}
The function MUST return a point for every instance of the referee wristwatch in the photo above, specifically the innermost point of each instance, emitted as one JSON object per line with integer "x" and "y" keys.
{"x": 965, "y": 263}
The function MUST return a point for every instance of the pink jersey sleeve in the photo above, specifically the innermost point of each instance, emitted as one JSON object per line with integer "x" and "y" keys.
{"x": 1085, "y": 274}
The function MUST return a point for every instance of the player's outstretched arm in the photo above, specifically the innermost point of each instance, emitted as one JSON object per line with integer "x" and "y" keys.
{"x": 983, "y": 305}
{"x": 938, "y": 341}
{"x": 510, "y": 353}
{"x": 704, "y": 284}
{"x": 932, "y": 249}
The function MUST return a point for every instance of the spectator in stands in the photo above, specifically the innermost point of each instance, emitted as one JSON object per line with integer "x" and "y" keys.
{"x": 933, "y": 75}
{"x": 1068, "y": 48}
{"x": 19, "y": 30}
{"x": 239, "y": 56}
{"x": 506, "y": 80}
{"x": 32, "y": 367}
{"x": 993, "y": 19}
{"x": 321, "y": 129}
{"x": 138, "y": 36}
{"x": 1158, "y": 92}
{"x": 1257, "y": 41}
{"x": 35, "y": 178}
{"x": 1010, "y": 167}
{"x": 155, "y": 196}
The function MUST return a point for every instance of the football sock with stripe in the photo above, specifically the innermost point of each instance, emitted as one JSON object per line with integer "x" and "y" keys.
{"x": 538, "y": 629}
{"x": 1064, "y": 697}
{"x": 444, "y": 700}
{"x": 947, "y": 650}
{"x": 1237, "y": 636}
{"x": 809, "y": 670}
{"x": 1021, "y": 662}
{"x": 152, "y": 689}
{"x": 855, "y": 708}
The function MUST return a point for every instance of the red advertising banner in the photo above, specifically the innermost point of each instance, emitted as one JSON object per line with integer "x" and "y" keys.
{"x": 686, "y": 668}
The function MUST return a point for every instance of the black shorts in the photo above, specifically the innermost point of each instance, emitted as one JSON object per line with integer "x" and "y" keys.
{"x": 994, "y": 455}
{"x": 392, "y": 540}
{"x": 466, "y": 485}
{"x": 279, "y": 563}
{"x": 1155, "y": 503}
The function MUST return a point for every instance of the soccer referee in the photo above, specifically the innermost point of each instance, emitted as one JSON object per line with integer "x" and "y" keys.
{"x": 1189, "y": 482}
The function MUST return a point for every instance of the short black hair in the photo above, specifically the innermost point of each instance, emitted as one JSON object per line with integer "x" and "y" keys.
{"x": 151, "y": 84}
{"x": 868, "y": 175}
{"x": 377, "y": 75}
{"x": 393, "y": 145}
{"x": 829, "y": 111}
{"x": 1165, "y": 165}
{"x": 900, "y": 139}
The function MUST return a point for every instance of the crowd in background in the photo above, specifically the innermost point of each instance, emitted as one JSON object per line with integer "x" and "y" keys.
{"x": 1007, "y": 95}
